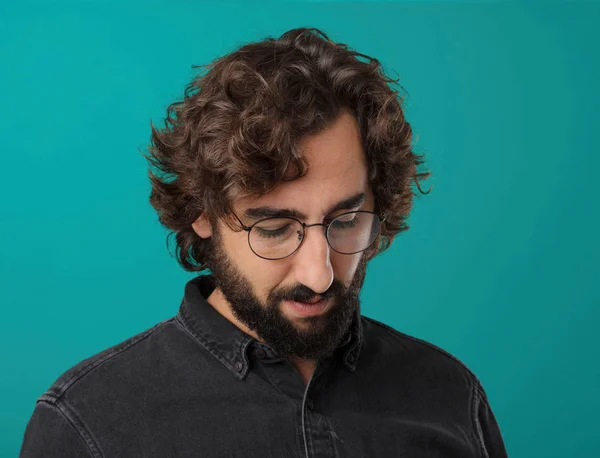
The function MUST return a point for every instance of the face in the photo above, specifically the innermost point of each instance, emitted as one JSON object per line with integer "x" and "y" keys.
{"x": 259, "y": 293}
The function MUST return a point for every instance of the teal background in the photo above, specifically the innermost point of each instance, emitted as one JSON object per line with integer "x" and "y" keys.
{"x": 500, "y": 266}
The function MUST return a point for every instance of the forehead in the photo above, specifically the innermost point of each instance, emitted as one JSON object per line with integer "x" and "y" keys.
{"x": 337, "y": 169}
{"x": 335, "y": 152}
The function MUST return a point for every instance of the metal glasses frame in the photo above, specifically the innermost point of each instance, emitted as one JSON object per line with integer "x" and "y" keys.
{"x": 304, "y": 227}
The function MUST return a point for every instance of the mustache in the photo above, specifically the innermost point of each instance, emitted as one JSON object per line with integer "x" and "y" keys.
{"x": 302, "y": 293}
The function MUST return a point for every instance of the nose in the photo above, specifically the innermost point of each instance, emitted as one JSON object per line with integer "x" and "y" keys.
{"x": 312, "y": 263}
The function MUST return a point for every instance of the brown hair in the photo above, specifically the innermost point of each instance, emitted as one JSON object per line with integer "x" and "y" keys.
{"x": 236, "y": 133}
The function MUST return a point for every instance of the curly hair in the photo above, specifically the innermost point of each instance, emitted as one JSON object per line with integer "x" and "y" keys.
{"x": 236, "y": 133}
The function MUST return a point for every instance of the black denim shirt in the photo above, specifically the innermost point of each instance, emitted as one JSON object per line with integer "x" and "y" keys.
{"x": 197, "y": 386}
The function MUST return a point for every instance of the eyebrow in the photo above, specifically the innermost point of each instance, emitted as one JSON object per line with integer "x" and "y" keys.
{"x": 353, "y": 201}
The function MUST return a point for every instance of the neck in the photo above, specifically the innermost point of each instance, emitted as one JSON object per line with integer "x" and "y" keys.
{"x": 305, "y": 367}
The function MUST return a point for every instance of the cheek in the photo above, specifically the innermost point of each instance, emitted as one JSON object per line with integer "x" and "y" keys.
{"x": 344, "y": 266}
{"x": 263, "y": 275}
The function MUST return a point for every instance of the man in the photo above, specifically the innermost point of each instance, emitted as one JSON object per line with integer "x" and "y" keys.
{"x": 286, "y": 168}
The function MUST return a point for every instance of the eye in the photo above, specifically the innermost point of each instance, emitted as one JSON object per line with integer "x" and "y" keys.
{"x": 275, "y": 232}
{"x": 276, "y": 228}
{"x": 345, "y": 221}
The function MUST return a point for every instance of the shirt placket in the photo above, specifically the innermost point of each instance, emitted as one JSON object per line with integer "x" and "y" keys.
{"x": 317, "y": 438}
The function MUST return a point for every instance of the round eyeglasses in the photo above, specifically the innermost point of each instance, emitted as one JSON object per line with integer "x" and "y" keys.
{"x": 348, "y": 233}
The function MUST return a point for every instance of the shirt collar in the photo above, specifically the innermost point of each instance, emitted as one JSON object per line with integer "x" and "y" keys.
{"x": 229, "y": 344}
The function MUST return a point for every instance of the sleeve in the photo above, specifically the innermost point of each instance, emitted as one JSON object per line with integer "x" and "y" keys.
{"x": 486, "y": 426}
{"x": 50, "y": 434}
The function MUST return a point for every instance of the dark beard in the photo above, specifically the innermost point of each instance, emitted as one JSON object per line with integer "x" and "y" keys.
{"x": 319, "y": 336}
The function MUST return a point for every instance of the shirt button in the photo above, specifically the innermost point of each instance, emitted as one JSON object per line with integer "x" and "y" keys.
{"x": 238, "y": 366}
{"x": 260, "y": 353}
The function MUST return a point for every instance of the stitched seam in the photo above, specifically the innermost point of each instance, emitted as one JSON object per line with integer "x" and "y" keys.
{"x": 197, "y": 338}
{"x": 85, "y": 433}
{"x": 476, "y": 425}
{"x": 299, "y": 432}
{"x": 243, "y": 350}
{"x": 309, "y": 440}
{"x": 86, "y": 437}
{"x": 331, "y": 442}
{"x": 352, "y": 353}
{"x": 92, "y": 365}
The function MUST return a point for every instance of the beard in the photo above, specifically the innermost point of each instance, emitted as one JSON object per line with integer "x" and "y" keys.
{"x": 317, "y": 337}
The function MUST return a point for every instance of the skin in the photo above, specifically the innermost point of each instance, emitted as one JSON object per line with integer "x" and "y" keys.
{"x": 337, "y": 170}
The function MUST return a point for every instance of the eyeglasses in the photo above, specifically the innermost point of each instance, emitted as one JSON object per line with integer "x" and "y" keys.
{"x": 277, "y": 238}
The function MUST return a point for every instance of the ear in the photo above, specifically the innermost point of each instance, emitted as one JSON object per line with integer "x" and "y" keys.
{"x": 202, "y": 226}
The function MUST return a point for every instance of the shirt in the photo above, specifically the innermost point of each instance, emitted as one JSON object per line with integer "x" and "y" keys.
{"x": 195, "y": 385}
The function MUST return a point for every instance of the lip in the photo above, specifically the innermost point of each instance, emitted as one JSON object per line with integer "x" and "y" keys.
{"x": 301, "y": 309}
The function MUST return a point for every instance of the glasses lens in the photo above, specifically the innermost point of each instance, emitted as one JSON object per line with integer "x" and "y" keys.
{"x": 353, "y": 232}
{"x": 275, "y": 238}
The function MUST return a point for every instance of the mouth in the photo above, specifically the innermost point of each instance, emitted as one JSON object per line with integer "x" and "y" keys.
{"x": 305, "y": 309}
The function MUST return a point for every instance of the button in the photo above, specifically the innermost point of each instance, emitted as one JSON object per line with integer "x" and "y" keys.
{"x": 260, "y": 353}
{"x": 238, "y": 366}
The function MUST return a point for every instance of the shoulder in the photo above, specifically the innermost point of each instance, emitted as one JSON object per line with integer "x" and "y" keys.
{"x": 87, "y": 396}
{"x": 408, "y": 353}
{"x": 420, "y": 377}
{"x": 100, "y": 371}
